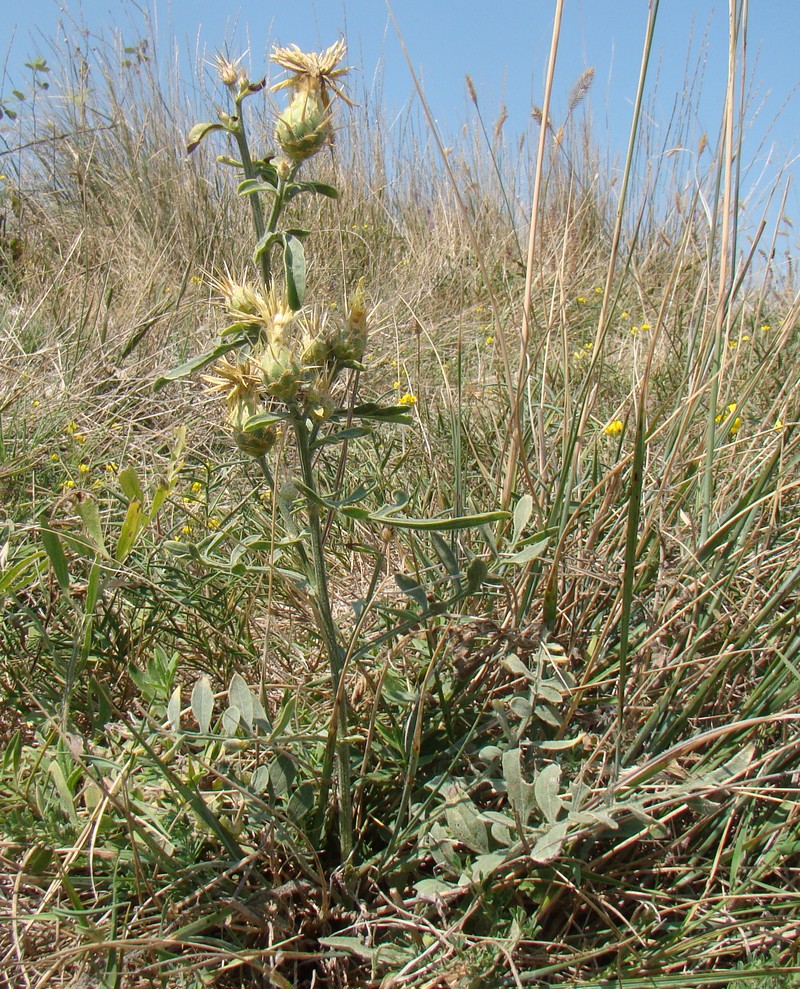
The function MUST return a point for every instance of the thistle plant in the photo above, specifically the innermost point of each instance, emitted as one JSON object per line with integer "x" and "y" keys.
{"x": 280, "y": 367}
{"x": 276, "y": 365}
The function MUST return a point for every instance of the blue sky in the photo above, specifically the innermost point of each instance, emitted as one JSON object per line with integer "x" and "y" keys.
{"x": 504, "y": 47}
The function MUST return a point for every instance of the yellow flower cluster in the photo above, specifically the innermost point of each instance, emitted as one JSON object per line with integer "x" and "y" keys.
{"x": 736, "y": 424}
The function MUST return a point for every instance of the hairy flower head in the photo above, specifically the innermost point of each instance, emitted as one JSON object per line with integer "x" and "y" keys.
{"x": 239, "y": 384}
{"x": 228, "y": 71}
{"x": 262, "y": 307}
{"x": 313, "y": 72}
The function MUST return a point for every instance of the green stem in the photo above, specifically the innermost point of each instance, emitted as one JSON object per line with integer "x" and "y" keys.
{"x": 337, "y": 746}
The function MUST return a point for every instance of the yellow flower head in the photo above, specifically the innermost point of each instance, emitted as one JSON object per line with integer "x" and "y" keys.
{"x": 408, "y": 400}
{"x": 736, "y": 424}
{"x": 238, "y": 383}
{"x": 614, "y": 428}
{"x": 313, "y": 72}
{"x": 262, "y": 308}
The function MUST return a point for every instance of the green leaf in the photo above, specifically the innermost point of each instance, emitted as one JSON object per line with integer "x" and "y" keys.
{"x": 319, "y": 188}
{"x": 549, "y": 845}
{"x": 90, "y": 516}
{"x": 174, "y": 709}
{"x": 267, "y": 239}
{"x": 13, "y": 578}
{"x": 530, "y": 552}
{"x": 281, "y": 773}
{"x": 433, "y": 889}
{"x": 381, "y": 413}
{"x": 341, "y": 436}
{"x": 199, "y": 131}
{"x": 294, "y": 260}
{"x": 231, "y": 717}
{"x": 522, "y": 514}
{"x": 129, "y": 531}
{"x": 130, "y": 484}
{"x": 440, "y": 525}
{"x": 465, "y": 823}
{"x": 63, "y": 790}
{"x": 194, "y": 364}
{"x": 203, "y": 704}
{"x": 520, "y": 792}
{"x": 445, "y": 554}
{"x": 251, "y": 186}
{"x": 412, "y": 589}
{"x": 545, "y": 788}
{"x": 486, "y": 865}
{"x": 240, "y": 696}
{"x": 37, "y": 860}
{"x": 353, "y": 945}
{"x": 302, "y": 802}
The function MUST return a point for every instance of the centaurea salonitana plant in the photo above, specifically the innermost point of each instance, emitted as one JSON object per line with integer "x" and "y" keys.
{"x": 276, "y": 365}
{"x": 280, "y": 367}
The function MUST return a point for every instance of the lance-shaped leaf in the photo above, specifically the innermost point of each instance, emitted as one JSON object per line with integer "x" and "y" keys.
{"x": 250, "y": 186}
{"x": 320, "y": 188}
{"x": 194, "y": 364}
{"x": 199, "y": 131}
{"x": 440, "y": 525}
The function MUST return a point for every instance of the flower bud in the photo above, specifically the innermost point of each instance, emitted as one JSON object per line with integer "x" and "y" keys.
{"x": 350, "y": 343}
{"x": 258, "y": 443}
{"x": 304, "y": 127}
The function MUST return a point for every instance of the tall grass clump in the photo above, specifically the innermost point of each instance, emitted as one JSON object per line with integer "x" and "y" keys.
{"x": 399, "y": 548}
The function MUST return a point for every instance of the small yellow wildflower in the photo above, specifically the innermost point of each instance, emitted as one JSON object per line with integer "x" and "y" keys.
{"x": 396, "y": 384}
{"x": 614, "y": 428}
{"x": 79, "y": 437}
{"x": 625, "y": 315}
{"x": 213, "y": 522}
{"x": 634, "y": 330}
{"x": 644, "y": 327}
{"x": 736, "y": 425}
{"x": 54, "y": 457}
{"x": 68, "y": 485}
{"x": 598, "y": 290}
{"x": 197, "y": 487}
{"x": 36, "y": 403}
{"x": 778, "y": 424}
{"x": 71, "y": 428}
{"x": 186, "y": 530}
{"x": 408, "y": 399}
{"x": 111, "y": 467}
{"x": 581, "y": 300}
{"x": 765, "y": 327}
{"x": 489, "y": 340}
{"x": 84, "y": 468}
